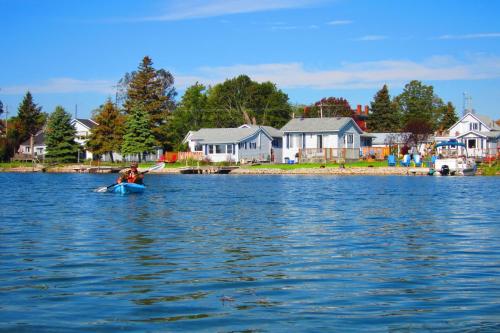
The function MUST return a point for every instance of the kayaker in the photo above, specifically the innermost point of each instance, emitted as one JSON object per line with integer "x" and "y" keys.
{"x": 131, "y": 175}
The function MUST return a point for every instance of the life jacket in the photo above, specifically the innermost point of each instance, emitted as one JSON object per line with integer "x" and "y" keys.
{"x": 131, "y": 177}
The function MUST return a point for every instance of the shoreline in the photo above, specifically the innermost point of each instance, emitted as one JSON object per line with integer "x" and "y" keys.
{"x": 349, "y": 171}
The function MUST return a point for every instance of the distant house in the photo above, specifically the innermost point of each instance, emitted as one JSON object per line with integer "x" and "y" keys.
{"x": 243, "y": 144}
{"x": 277, "y": 143}
{"x": 34, "y": 147}
{"x": 321, "y": 139}
{"x": 83, "y": 128}
{"x": 479, "y": 133}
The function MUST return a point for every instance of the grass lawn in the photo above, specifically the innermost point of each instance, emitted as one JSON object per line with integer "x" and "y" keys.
{"x": 356, "y": 164}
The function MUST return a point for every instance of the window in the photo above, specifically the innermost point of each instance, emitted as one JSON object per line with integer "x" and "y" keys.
{"x": 349, "y": 138}
{"x": 210, "y": 149}
{"x": 473, "y": 126}
{"x": 229, "y": 149}
{"x": 27, "y": 149}
{"x": 303, "y": 140}
{"x": 319, "y": 141}
{"x": 471, "y": 143}
{"x": 198, "y": 147}
{"x": 253, "y": 145}
{"x": 287, "y": 139}
{"x": 220, "y": 149}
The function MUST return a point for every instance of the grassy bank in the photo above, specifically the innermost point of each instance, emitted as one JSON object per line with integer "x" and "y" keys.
{"x": 489, "y": 170}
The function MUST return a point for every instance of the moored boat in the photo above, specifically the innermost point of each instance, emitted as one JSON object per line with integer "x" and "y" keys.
{"x": 453, "y": 160}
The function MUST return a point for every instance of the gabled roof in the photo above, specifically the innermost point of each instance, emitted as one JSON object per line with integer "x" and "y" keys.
{"x": 318, "y": 124}
{"x": 89, "y": 123}
{"x": 485, "y": 120}
{"x": 224, "y": 135}
{"x": 38, "y": 139}
{"x": 275, "y": 133}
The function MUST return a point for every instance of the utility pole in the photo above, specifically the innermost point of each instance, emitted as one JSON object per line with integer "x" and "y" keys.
{"x": 6, "y": 119}
{"x": 321, "y": 109}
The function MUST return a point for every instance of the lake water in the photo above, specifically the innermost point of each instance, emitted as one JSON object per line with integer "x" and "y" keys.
{"x": 250, "y": 253}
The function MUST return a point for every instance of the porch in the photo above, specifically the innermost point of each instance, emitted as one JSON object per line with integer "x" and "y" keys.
{"x": 318, "y": 155}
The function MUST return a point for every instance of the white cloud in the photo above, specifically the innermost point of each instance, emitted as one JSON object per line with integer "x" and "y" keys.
{"x": 193, "y": 9}
{"x": 360, "y": 75}
{"x": 372, "y": 38}
{"x": 471, "y": 36}
{"x": 63, "y": 86}
{"x": 354, "y": 75}
{"x": 339, "y": 22}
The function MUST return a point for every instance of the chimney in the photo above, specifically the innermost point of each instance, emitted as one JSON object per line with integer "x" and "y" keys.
{"x": 366, "y": 109}
{"x": 358, "y": 110}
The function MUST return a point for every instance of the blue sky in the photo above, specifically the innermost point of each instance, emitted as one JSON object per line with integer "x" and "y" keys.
{"x": 73, "y": 52}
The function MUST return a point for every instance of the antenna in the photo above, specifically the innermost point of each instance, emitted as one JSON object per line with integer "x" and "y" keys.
{"x": 467, "y": 107}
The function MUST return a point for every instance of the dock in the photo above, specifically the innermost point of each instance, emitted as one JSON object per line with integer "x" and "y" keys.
{"x": 199, "y": 170}
{"x": 97, "y": 169}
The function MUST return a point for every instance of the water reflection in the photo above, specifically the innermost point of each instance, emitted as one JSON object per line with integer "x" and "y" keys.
{"x": 269, "y": 253}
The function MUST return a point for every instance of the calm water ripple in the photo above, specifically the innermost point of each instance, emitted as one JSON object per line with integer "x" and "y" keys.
{"x": 254, "y": 254}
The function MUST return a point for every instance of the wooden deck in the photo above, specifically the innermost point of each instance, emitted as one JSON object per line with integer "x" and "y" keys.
{"x": 199, "y": 170}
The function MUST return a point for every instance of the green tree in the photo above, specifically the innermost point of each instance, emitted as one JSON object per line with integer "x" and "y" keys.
{"x": 241, "y": 100}
{"x": 138, "y": 137}
{"x": 107, "y": 136}
{"x": 151, "y": 91}
{"x": 330, "y": 107}
{"x": 190, "y": 114}
{"x": 60, "y": 137}
{"x": 448, "y": 117}
{"x": 30, "y": 116}
{"x": 384, "y": 115}
{"x": 418, "y": 102}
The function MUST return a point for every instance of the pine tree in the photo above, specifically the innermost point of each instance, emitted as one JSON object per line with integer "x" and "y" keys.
{"x": 152, "y": 91}
{"x": 384, "y": 115}
{"x": 30, "y": 116}
{"x": 138, "y": 137}
{"x": 60, "y": 137}
{"x": 107, "y": 136}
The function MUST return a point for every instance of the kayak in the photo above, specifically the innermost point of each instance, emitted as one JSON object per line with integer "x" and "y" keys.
{"x": 126, "y": 188}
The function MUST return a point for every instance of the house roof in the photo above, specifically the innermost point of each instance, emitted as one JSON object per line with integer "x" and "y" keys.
{"x": 318, "y": 124}
{"x": 482, "y": 118}
{"x": 38, "y": 140}
{"x": 89, "y": 123}
{"x": 224, "y": 135}
{"x": 275, "y": 133}
{"x": 383, "y": 138}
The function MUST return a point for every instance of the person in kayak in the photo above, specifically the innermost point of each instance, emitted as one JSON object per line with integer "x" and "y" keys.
{"x": 131, "y": 175}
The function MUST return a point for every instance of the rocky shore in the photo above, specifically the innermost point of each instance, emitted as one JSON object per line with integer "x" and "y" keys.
{"x": 375, "y": 171}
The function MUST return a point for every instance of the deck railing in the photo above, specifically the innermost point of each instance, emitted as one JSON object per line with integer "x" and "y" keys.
{"x": 312, "y": 155}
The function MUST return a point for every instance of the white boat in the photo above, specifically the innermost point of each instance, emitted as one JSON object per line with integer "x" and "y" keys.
{"x": 453, "y": 160}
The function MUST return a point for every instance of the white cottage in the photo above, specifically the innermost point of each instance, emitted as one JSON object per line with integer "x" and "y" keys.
{"x": 321, "y": 139}
{"x": 479, "y": 133}
{"x": 83, "y": 128}
{"x": 243, "y": 144}
{"x": 34, "y": 147}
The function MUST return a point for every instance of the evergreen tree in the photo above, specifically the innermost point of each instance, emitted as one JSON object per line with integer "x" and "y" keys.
{"x": 138, "y": 137}
{"x": 384, "y": 116}
{"x": 30, "y": 116}
{"x": 448, "y": 117}
{"x": 151, "y": 91}
{"x": 60, "y": 137}
{"x": 107, "y": 136}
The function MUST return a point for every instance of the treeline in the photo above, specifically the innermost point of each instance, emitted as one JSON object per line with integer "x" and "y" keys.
{"x": 146, "y": 115}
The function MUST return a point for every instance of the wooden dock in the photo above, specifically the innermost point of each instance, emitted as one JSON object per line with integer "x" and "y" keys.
{"x": 97, "y": 169}
{"x": 199, "y": 170}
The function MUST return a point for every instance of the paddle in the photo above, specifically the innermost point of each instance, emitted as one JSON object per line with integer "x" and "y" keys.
{"x": 105, "y": 188}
